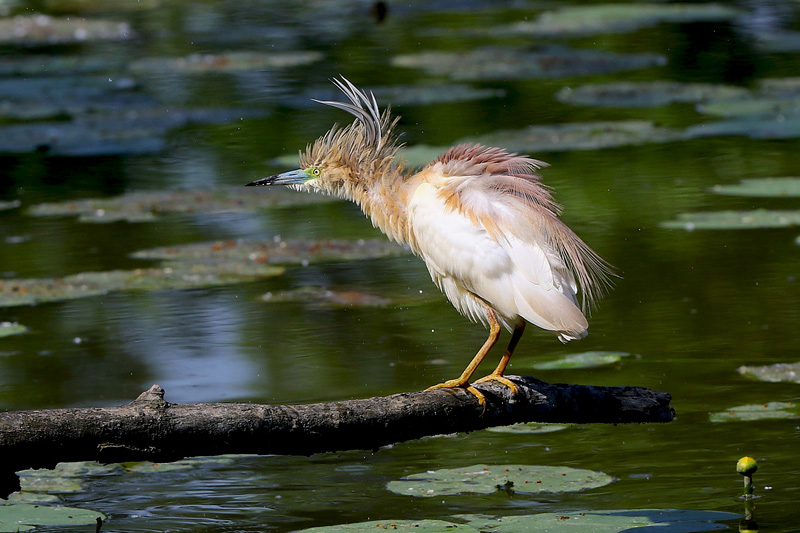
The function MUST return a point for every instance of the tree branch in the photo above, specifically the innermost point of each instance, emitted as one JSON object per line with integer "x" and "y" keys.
{"x": 152, "y": 429}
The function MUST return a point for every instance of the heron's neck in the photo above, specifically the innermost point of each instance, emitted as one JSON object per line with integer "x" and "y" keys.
{"x": 384, "y": 199}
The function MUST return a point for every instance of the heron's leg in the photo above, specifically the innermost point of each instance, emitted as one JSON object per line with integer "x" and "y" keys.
{"x": 463, "y": 379}
{"x": 497, "y": 375}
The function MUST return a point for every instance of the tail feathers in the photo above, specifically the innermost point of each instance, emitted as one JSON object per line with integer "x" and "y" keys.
{"x": 553, "y": 311}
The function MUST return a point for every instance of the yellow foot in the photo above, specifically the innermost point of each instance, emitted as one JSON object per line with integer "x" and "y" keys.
{"x": 500, "y": 379}
{"x": 453, "y": 383}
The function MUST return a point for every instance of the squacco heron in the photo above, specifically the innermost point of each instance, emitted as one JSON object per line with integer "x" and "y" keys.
{"x": 486, "y": 227}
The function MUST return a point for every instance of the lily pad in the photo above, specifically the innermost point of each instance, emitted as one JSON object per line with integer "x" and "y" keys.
{"x": 780, "y": 372}
{"x": 11, "y": 328}
{"x": 197, "y": 265}
{"x": 49, "y": 481}
{"x": 327, "y": 298}
{"x": 6, "y": 205}
{"x": 757, "y": 127}
{"x": 24, "y": 496}
{"x": 485, "y": 479}
{"x": 529, "y": 428}
{"x": 71, "y": 6}
{"x": 26, "y": 516}
{"x": 176, "y": 275}
{"x": 146, "y": 206}
{"x": 764, "y": 411}
{"x": 582, "y": 360}
{"x": 777, "y": 40}
{"x": 758, "y": 218}
{"x": 412, "y": 95}
{"x": 786, "y": 187}
{"x": 277, "y": 251}
{"x": 758, "y": 106}
{"x": 774, "y": 100}
{"x": 579, "y": 136}
{"x": 616, "y": 18}
{"x": 58, "y": 97}
{"x": 45, "y": 64}
{"x": 646, "y": 94}
{"x": 121, "y": 132}
{"x": 64, "y": 478}
{"x": 40, "y": 30}
{"x": 501, "y": 63}
{"x": 613, "y": 521}
{"x": 242, "y": 61}
{"x": 787, "y": 87}
{"x": 557, "y": 137}
{"x": 376, "y": 526}
{"x": 146, "y": 467}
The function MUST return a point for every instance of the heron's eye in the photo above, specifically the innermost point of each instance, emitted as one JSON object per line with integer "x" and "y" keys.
{"x": 314, "y": 171}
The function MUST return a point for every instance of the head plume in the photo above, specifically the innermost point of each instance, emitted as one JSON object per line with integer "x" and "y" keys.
{"x": 360, "y": 151}
{"x": 369, "y": 117}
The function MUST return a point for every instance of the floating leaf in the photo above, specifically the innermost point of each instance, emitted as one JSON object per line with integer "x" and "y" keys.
{"x": 612, "y": 521}
{"x": 788, "y": 372}
{"x": 762, "y": 106}
{"x": 778, "y": 40}
{"x": 177, "y": 275}
{"x": 758, "y": 218}
{"x": 579, "y": 136}
{"x": 38, "y": 30}
{"x": 223, "y": 62}
{"x": 557, "y": 137}
{"x": 528, "y": 428}
{"x": 42, "y": 64}
{"x": 788, "y": 187}
{"x": 501, "y": 63}
{"x": 757, "y": 412}
{"x": 13, "y": 204}
{"x": 11, "y": 328}
{"x": 616, "y": 18}
{"x": 147, "y": 206}
{"x": 146, "y": 467}
{"x": 34, "y": 98}
{"x": 327, "y": 298}
{"x": 376, "y": 526}
{"x": 15, "y": 292}
{"x": 757, "y": 127}
{"x": 787, "y": 87}
{"x": 23, "y": 496}
{"x": 646, "y": 94}
{"x": 772, "y": 110}
{"x": 64, "y": 478}
{"x": 410, "y": 95}
{"x": 121, "y": 132}
{"x": 71, "y": 6}
{"x": 49, "y": 481}
{"x": 197, "y": 265}
{"x": 26, "y": 516}
{"x": 289, "y": 251}
{"x": 582, "y": 360}
{"x": 483, "y": 479}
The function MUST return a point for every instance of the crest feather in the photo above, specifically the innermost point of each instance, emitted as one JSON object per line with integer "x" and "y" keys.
{"x": 370, "y": 116}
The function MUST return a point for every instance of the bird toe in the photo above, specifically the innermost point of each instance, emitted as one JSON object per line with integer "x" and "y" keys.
{"x": 500, "y": 379}
{"x": 458, "y": 383}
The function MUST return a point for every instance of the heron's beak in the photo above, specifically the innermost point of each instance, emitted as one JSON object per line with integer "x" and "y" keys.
{"x": 292, "y": 177}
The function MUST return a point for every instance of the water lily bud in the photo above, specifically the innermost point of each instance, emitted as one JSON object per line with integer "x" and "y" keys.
{"x": 747, "y": 466}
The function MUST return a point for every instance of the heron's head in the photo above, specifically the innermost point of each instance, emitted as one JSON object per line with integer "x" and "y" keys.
{"x": 322, "y": 169}
{"x": 342, "y": 160}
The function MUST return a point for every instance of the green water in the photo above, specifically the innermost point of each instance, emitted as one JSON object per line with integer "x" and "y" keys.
{"x": 690, "y": 306}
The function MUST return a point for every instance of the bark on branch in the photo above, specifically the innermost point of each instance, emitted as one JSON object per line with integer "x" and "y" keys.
{"x": 155, "y": 430}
